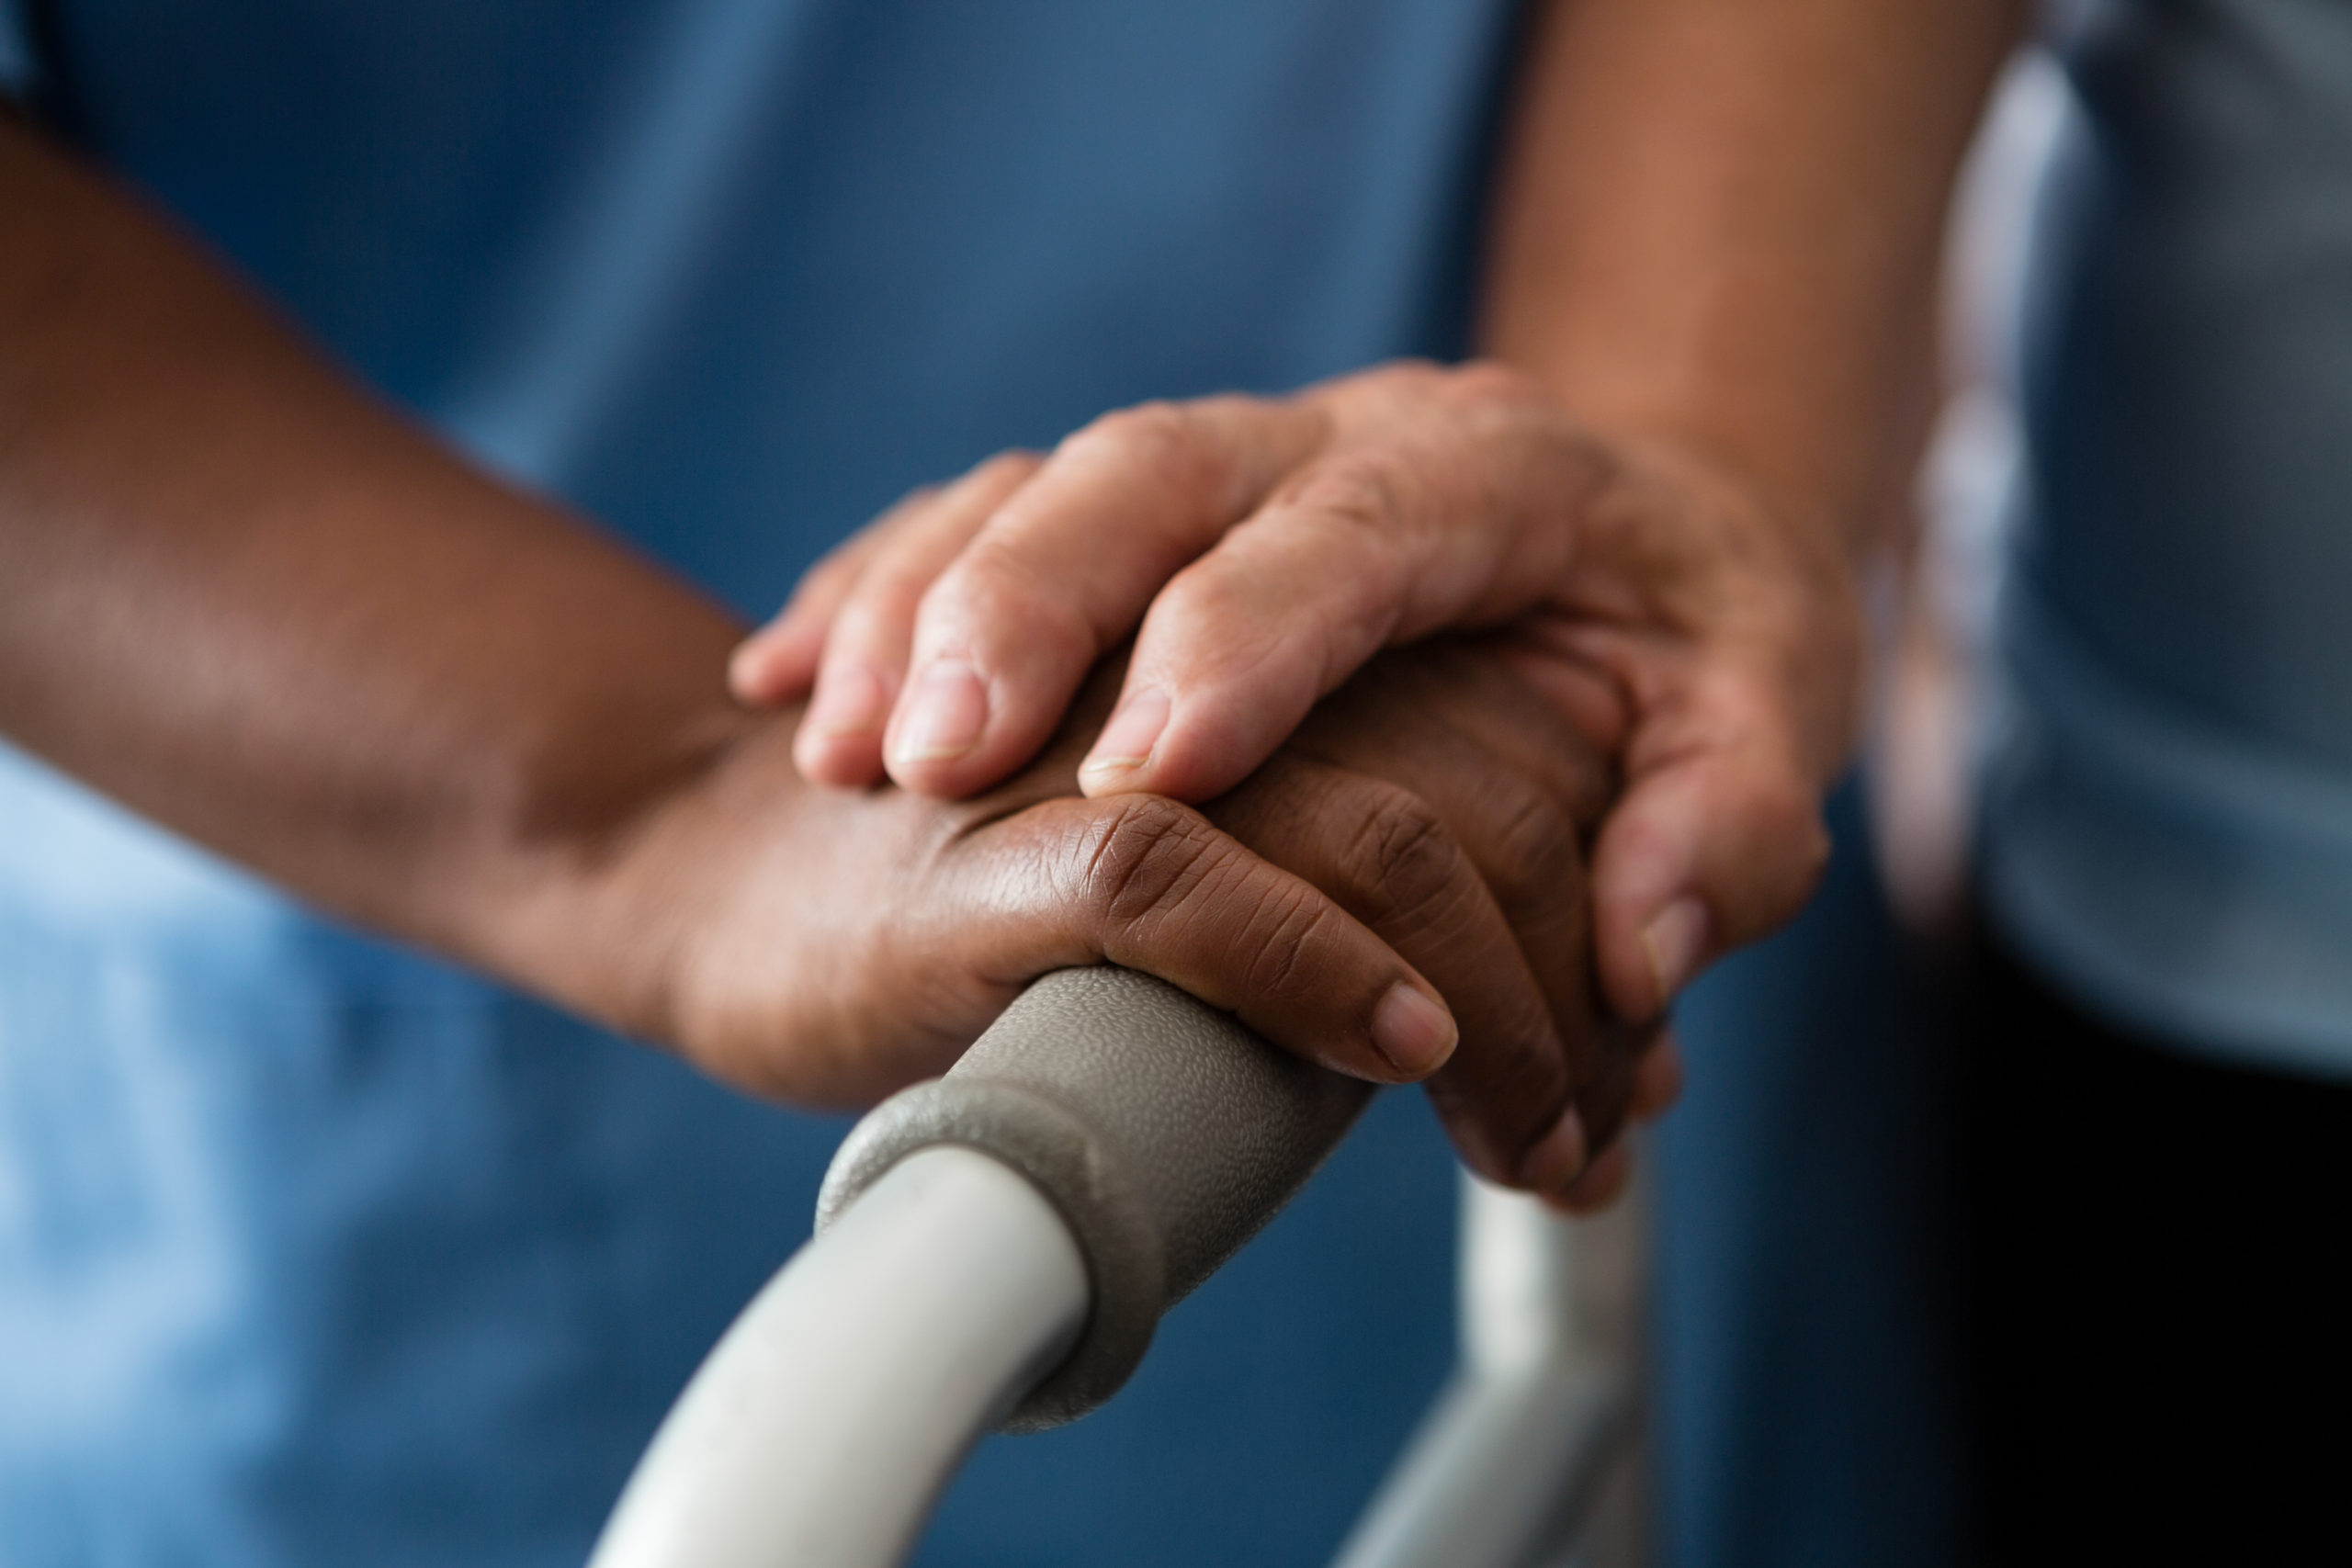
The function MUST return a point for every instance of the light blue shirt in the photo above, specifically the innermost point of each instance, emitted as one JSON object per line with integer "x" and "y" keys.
{"x": 316, "y": 1251}
{"x": 2168, "y": 816}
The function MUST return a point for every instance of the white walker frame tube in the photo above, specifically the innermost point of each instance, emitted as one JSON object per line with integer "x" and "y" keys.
{"x": 995, "y": 1246}
{"x": 1541, "y": 1410}
{"x": 822, "y": 1428}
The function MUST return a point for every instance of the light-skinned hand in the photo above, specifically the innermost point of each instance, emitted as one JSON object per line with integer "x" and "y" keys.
{"x": 1260, "y": 551}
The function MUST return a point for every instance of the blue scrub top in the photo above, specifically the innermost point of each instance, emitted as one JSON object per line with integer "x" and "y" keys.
{"x": 315, "y": 1250}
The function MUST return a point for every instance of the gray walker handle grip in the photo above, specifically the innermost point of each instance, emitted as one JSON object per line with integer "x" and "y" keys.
{"x": 1165, "y": 1133}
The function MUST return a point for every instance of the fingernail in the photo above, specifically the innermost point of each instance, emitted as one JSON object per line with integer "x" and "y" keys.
{"x": 1126, "y": 741}
{"x": 1412, "y": 1030}
{"x": 1676, "y": 938}
{"x": 848, "y": 701}
{"x": 944, "y": 715}
{"x": 1559, "y": 1156}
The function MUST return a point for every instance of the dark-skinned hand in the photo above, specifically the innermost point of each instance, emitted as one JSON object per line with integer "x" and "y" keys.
{"x": 1423, "y": 831}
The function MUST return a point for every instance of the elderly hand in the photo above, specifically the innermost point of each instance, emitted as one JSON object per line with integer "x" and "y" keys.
{"x": 1261, "y": 551}
{"x": 1419, "y": 836}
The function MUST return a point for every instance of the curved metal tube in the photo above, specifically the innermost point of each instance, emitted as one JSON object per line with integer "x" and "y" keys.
{"x": 1507, "y": 1466}
{"x": 821, "y": 1430}
{"x": 1000, "y": 1243}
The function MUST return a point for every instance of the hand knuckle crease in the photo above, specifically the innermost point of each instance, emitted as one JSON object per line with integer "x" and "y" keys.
{"x": 1140, "y": 857}
{"x": 1404, "y": 860}
{"x": 1539, "y": 852}
{"x": 1165, "y": 441}
{"x": 1362, "y": 495}
{"x": 1279, "y": 966}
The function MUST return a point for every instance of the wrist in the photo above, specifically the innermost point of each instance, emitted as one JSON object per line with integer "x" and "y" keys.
{"x": 604, "y": 890}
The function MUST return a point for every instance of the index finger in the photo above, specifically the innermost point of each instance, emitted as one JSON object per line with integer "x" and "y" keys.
{"x": 1064, "y": 570}
{"x": 1460, "y": 516}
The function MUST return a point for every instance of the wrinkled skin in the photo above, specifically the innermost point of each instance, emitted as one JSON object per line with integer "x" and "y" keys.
{"x": 1436, "y": 800}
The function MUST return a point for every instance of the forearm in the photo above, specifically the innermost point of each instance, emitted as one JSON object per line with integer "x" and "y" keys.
{"x": 1718, "y": 221}
{"x": 241, "y": 597}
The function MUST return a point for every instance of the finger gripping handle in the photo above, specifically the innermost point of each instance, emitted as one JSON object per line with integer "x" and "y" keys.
{"x": 1164, "y": 1130}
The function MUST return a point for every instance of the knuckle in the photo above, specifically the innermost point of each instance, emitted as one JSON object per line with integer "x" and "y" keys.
{"x": 1161, "y": 444}
{"x": 875, "y": 613}
{"x": 1286, "y": 929}
{"x": 870, "y": 623}
{"x": 999, "y": 593}
{"x": 1217, "y": 617}
{"x": 1402, "y": 865}
{"x": 1139, "y": 857}
{"x": 1538, "y": 852}
{"x": 1152, "y": 867}
{"x": 1363, "y": 493}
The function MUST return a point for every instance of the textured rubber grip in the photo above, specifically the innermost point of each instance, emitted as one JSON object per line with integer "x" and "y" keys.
{"x": 1165, "y": 1131}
